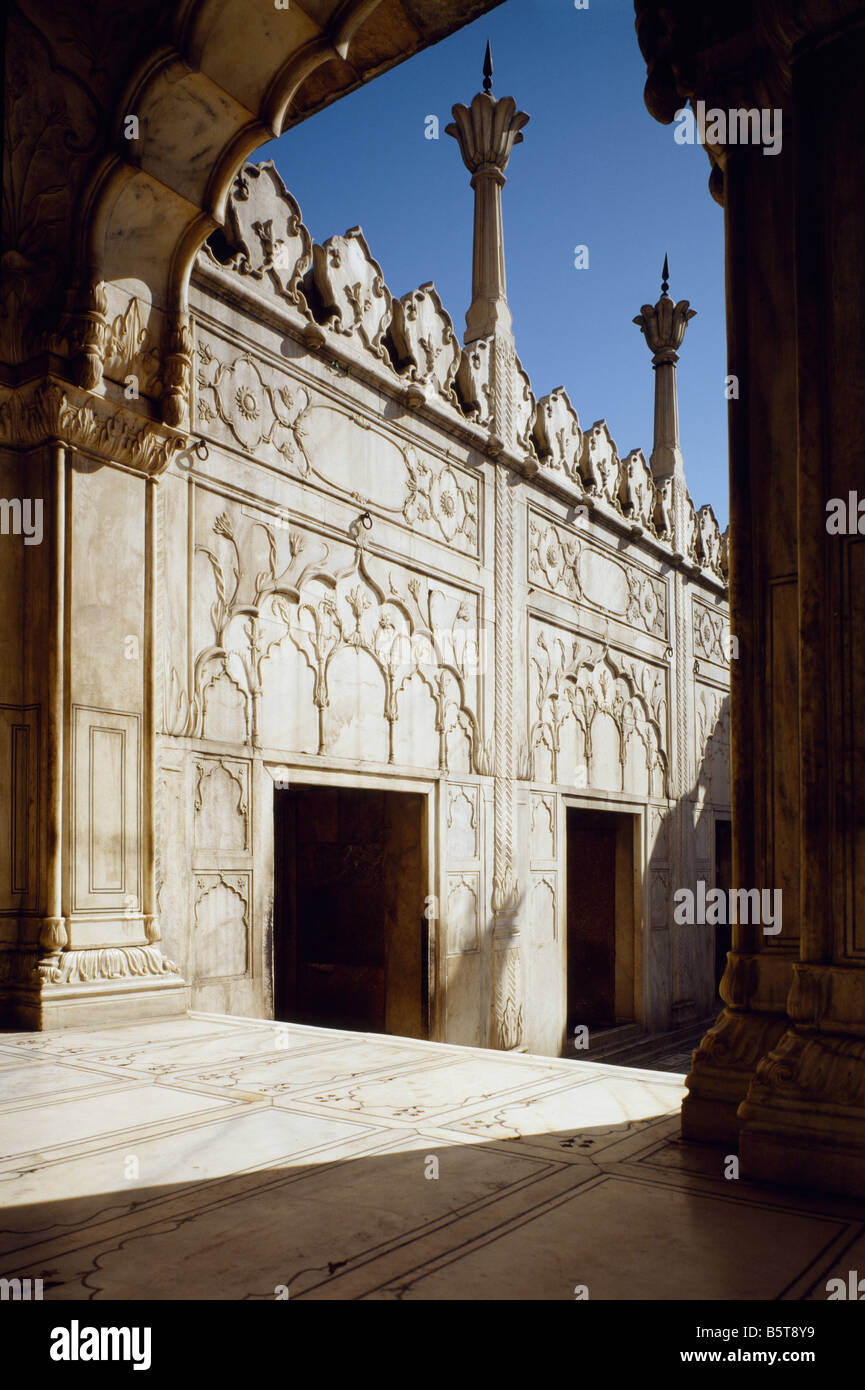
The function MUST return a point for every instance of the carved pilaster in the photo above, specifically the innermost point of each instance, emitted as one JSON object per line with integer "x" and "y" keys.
{"x": 177, "y": 373}
{"x": 89, "y": 335}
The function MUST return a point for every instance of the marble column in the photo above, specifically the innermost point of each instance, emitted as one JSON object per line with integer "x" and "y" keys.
{"x": 487, "y": 132}
{"x": 804, "y": 1115}
{"x": 663, "y": 325}
{"x": 783, "y": 1070}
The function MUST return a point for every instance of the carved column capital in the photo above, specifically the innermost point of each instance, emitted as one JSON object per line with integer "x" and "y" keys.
{"x": 51, "y": 410}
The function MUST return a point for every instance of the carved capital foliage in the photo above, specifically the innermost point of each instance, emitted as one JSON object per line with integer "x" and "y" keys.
{"x": 50, "y": 410}
{"x": 177, "y": 373}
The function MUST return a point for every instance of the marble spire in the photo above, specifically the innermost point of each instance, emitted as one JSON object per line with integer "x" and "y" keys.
{"x": 487, "y": 132}
{"x": 663, "y": 325}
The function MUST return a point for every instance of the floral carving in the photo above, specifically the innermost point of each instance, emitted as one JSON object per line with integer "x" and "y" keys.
{"x": 710, "y": 634}
{"x": 647, "y": 602}
{"x": 569, "y": 684}
{"x": 438, "y": 496}
{"x": 554, "y": 560}
{"x": 407, "y": 634}
{"x": 253, "y": 410}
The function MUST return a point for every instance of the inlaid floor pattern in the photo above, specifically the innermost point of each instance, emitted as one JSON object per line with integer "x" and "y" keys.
{"x": 224, "y": 1158}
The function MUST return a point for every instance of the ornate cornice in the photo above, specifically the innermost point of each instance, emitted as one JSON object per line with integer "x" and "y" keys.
{"x": 53, "y": 411}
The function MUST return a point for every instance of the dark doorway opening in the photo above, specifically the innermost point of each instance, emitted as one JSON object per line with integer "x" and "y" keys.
{"x": 723, "y": 880}
{"x": 601, "y": 920}
{"x": 350, "y": 945}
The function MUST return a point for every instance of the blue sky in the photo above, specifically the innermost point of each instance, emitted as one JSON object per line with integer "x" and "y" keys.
{"x": 594, "y": 169}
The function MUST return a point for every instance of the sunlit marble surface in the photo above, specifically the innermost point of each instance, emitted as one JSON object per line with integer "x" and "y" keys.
{"x": 224, "y": 1158}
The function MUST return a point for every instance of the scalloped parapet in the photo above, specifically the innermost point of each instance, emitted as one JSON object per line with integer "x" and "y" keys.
{"x": 473, "y": 381}
{"x": 709, "y": 540}
{"x": 355, "y": 300}
{"x": 637, "y": 490}
{"x": 664, "y": 509}
{"x": 557, "y": 435}
{"x": 600, "y": 465}
{"x": 524, "y": 407}
{"x": 426, "y": 346}
{"x": 687, "y": 542}
{"x": 264, "y": 237}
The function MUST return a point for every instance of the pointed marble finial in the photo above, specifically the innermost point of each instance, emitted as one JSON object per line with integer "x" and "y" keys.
{"x": 663, "y": 326}
{"x": 488, "y": 69}
{"x": 486, "y": 133}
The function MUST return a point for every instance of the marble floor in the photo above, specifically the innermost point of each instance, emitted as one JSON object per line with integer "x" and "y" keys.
{"x": 221, "y": 1158}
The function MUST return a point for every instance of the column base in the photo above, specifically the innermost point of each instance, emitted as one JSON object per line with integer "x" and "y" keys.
{"x": 721, "y": 1072}
{"x": 803, "y": 1119}
{"x": 94, "y": 988}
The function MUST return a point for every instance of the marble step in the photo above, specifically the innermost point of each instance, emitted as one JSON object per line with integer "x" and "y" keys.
{"x": 632, "y": 1046}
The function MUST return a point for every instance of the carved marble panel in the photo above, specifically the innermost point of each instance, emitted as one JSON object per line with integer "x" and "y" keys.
{"x": 391, "y": 659}
{"x": 567, "y": 565}
{"x": 19, "y": 754}
{"x": 543, "y": 906}
{"x": 105, "y": 808}
{"x": 712, "y": 734}
{"x": 463, "y": 821}
{"x": 221, "y": 926}
{"x": 463, "y": 912}
{"x": 711, "y": 633}
{"x": 241, "y": 400}
{"x": 221, "y": 805}
{"x": 543, "y": 826}
{"x": 599, "y": 718}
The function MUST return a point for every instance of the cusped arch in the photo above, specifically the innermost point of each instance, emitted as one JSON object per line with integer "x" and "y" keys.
{"x": 198, "y": 87}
